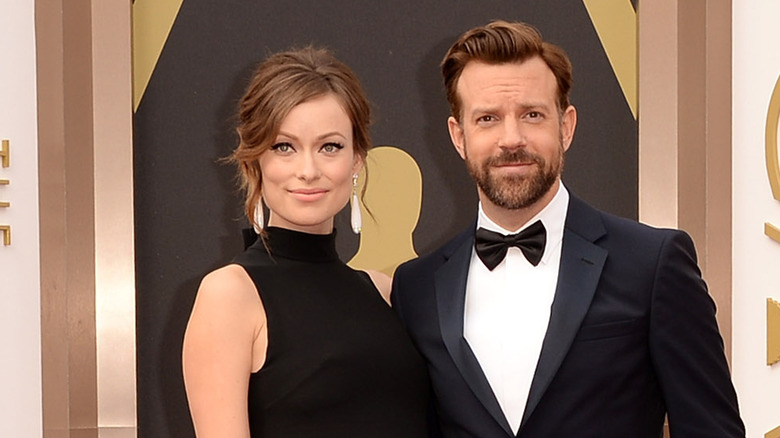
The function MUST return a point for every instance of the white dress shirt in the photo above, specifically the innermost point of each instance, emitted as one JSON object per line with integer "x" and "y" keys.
{"x": 508, "y": 309}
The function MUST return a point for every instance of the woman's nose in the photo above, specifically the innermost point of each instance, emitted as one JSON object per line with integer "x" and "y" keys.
{"x": 308, "y": 169}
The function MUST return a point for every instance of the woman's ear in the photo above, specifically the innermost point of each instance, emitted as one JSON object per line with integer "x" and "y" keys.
{"x": 358, "y": 163}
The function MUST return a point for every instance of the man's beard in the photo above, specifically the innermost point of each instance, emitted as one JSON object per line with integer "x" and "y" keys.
{"x": 513, "y": 192}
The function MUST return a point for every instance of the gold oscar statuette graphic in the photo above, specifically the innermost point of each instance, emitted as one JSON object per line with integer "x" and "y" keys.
{"x": 772, "y": 162}
{"x": 394, "y": 196}
{"x": 774, "y": 433}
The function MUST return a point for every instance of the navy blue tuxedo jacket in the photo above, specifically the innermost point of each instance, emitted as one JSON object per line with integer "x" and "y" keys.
{"x": 632, "y": 336}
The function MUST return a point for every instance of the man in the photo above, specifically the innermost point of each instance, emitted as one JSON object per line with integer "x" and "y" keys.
{"x": 592, "y": 325}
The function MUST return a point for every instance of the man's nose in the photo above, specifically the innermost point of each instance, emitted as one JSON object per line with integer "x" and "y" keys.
{"x": 512, "y": 134}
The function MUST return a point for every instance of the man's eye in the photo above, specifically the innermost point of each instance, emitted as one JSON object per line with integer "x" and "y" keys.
{"x": 282, "y": 147}
{"x": 486, "y": 119}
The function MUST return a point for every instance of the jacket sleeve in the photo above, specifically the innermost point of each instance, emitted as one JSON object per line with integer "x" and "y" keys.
{"x": 687, "y": 349}
{"x": 397, "y": 300}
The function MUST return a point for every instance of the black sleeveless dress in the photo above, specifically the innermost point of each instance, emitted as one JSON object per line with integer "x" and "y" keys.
{"x": 339, "y": 363}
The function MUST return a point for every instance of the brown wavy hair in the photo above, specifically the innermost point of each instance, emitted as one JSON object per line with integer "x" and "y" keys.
{"x": 279, "y": 83}
{"x": 501, "y": 42}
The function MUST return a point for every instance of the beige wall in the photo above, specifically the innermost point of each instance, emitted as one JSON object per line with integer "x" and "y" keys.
{"x": 20, "y": 335}
{"x": 756, "y": 255}
{"x": 685, "y": 131}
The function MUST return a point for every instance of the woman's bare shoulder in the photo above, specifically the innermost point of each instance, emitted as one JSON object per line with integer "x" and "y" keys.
{"x": 228, "y": 289}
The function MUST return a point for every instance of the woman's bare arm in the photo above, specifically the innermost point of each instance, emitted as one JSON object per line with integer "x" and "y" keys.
{"x": 225, "y": 341}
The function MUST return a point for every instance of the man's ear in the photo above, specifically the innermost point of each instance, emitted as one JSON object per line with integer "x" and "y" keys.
{"x": 457, "y": 136}
{"x": 568, "y": 125}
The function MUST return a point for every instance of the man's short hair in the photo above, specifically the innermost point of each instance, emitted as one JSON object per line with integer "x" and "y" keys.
{"x": 501, "y": 42}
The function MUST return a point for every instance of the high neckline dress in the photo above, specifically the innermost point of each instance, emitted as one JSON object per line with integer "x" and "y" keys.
{"x": 339, "y": 362}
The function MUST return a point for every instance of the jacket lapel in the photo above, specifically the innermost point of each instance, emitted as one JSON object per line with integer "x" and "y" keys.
{"x": 450, "y": 280}
{"x": 580, "y": 269}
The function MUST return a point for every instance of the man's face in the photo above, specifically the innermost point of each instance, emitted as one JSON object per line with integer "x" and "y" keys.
{"x": 511, "y": 133}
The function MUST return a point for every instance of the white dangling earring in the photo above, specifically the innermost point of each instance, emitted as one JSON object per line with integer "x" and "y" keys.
{"x": 356, "y": 218}
{"x": 258, "y": 225}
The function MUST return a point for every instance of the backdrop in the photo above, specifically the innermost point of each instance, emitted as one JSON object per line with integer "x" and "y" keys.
{"x": 188, "y": 210}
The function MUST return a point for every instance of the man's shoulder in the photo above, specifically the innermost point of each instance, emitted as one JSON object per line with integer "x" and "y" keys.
{"x": 583, "y": 216}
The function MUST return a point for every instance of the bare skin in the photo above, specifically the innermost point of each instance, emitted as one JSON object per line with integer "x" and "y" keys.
{"x": 505, "y": 108}
{"x": 225, "y": 341}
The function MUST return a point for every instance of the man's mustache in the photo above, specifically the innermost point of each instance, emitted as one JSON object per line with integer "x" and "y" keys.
{"x": 516, "y": 156}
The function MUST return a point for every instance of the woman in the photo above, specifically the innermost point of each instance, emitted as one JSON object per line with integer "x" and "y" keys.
{"x": 287, "y": 341}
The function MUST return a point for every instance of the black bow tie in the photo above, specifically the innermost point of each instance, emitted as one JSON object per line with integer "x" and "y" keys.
{"x": 492, "y": 247}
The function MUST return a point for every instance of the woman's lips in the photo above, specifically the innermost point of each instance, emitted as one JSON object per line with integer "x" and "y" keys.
{"x": 308, "y": 195}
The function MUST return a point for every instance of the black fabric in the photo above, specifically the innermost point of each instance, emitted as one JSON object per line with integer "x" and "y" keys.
{"x": 339, "y": 362}
{"x": 491, "y": 247}
{"x": 249, "y": 236}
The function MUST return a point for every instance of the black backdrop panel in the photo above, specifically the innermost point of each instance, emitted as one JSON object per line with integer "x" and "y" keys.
{"x": 188, "y": 212}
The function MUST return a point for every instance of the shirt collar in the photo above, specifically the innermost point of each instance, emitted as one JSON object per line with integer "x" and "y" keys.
{"x": 553, "y": 217}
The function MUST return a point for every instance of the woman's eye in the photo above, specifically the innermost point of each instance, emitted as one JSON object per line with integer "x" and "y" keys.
{"x": 282, "y": 147}
{"x": 332, "y": 147}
